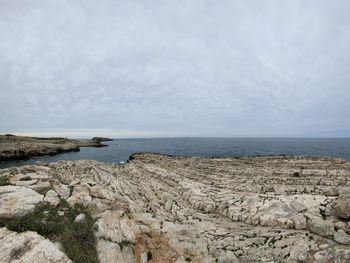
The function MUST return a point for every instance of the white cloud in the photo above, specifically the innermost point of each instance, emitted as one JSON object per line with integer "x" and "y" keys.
{"x": 197, "y": 68}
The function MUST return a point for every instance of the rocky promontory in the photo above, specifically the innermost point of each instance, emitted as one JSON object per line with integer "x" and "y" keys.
{"x": 160, "y": 208}
{"x": 101, "y": 139}
{"x": 22, "y": 147}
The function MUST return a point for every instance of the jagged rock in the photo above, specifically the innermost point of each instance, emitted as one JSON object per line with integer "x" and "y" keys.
{"x": 344, "y": 191}
{"x": 342, "y": 207}
{"x": 321, "y": 227}
{"x": 111, "y": 252}
{"x": 227, "y": 257}
{"x": 342, "y": 256}
{"x": 17, "y": 201}
{"x": 28, "y": 247}
{"x": 179, "y": 209}
{"x": 62, "y": 190}
{"x": 52, "y": 198}
{"x": 342, "y": 237}
{"x": 80, "y": 218}
{"x": 322, "y": 257}
{"x": 342, "y": 226}
{"x": 298, "y": 253}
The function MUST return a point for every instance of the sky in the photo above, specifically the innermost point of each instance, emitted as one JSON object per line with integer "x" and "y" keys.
{"x": 132, "y": 68}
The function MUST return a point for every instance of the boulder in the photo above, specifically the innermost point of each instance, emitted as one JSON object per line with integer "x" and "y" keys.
{"x": 342, "y": 237}
{"x": 80, "y": 218}
{"x": 51, "y": 197}
{"x": 17, "y": 201}
{"x": 342, "y": 207}
{"x": 321, "y": 227}
{"x": 28, "y": 247}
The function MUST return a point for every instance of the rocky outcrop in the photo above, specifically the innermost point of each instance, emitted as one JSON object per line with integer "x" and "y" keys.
{"x": 28, "y": 247}
{"x": 21, "y": 147}
{"x": 159, "y": 208}
{"x": 17, "y": 201}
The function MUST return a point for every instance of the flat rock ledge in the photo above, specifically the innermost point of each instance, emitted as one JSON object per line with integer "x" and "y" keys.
{"x": 159, "y": 208}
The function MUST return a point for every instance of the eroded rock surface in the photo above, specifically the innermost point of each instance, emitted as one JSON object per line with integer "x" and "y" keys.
{"x": 17, "y": 201}
{"x": 169, "y": 209}
{"x": 28, "y": 247}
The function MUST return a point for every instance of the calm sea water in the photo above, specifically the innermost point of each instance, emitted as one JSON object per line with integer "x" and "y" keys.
{"x": 119, "y": 150}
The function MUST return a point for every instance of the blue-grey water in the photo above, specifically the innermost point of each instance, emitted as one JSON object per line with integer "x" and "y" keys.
{"x": 119, "y": 150}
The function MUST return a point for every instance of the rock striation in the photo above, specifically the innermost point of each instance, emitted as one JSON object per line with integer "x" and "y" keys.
{"x": 159, "y": 208}
{"x": 21, "y": 147}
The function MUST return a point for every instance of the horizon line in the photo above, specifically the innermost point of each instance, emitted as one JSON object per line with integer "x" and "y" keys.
{"x": 175, "y": 137}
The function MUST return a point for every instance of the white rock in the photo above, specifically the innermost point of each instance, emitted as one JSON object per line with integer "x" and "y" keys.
{"x": 321, "y": 227}
{"x": 51, "y": 197}
{"x": 322, "y": 257}
{"x": 17, "y": 200}
{"x": 298, "y": 253}
{"x": 344, "y": 191}
{"x": 342, "y": 207}
{"x": 40, "y": 186}
{"x": 342, "y": 255}
{"x": 62, "y": 190}
{"x": 59, "y": 246}
{"x": 299, "y": 221}
{"x": 80, "y": 218}
{"x": 28, "y": 247}
{"x": 341, "y": 237}
{"x": 111, "y": 252}
{"x": 227, "y": 257}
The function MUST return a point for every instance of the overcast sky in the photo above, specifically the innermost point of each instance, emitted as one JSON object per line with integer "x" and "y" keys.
{"x": 175, "y": 68}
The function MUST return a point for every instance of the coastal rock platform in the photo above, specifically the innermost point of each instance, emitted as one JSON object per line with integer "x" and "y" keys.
{"x": 159, "y": 208}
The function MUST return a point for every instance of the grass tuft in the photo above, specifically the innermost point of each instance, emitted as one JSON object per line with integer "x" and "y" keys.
{"x": 58, "y": 224}
{"x": 4, "y": 180}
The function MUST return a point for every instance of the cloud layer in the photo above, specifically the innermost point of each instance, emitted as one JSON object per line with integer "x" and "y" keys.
{"x": 176, "y": 68}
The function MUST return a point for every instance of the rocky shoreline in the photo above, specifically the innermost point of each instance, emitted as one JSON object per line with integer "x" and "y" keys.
{"x": 159, "y": 208}
{"x": 22, "y": 147}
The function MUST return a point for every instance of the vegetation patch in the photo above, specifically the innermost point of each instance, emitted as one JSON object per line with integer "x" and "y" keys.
{"x": 57, "y": 224}
{"x": 4, "y": 180}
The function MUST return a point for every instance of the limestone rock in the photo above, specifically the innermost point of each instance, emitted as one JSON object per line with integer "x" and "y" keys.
{"x": 321, "y": 227}
{"x": 322, "y": 257}
{"x": 342, "y": 256}
{"x": 342, "y": 207}
{"x": 189, "y": 209}
{"x": 17, "y": 201}
{"x": 342, "y": 237}
{"x": 28, "y": 247}
{"x": 344, "y": 191}
{"x": 51, "y": 197}
{"x": 80, "y": 218}
{"x": 62, "y": 190}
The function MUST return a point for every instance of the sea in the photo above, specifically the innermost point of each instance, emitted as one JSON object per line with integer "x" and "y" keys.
{"x": 119, "y": 150}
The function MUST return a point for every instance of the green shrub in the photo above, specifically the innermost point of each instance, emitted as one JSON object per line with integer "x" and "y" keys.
{"x": 49, "y": 221}
{"x": 4, "y": 180}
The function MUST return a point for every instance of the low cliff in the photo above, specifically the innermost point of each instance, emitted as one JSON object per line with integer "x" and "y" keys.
{"x": 23, "y": 147}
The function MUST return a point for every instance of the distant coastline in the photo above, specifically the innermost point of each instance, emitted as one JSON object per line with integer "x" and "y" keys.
{"x": 14, "y": 147}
